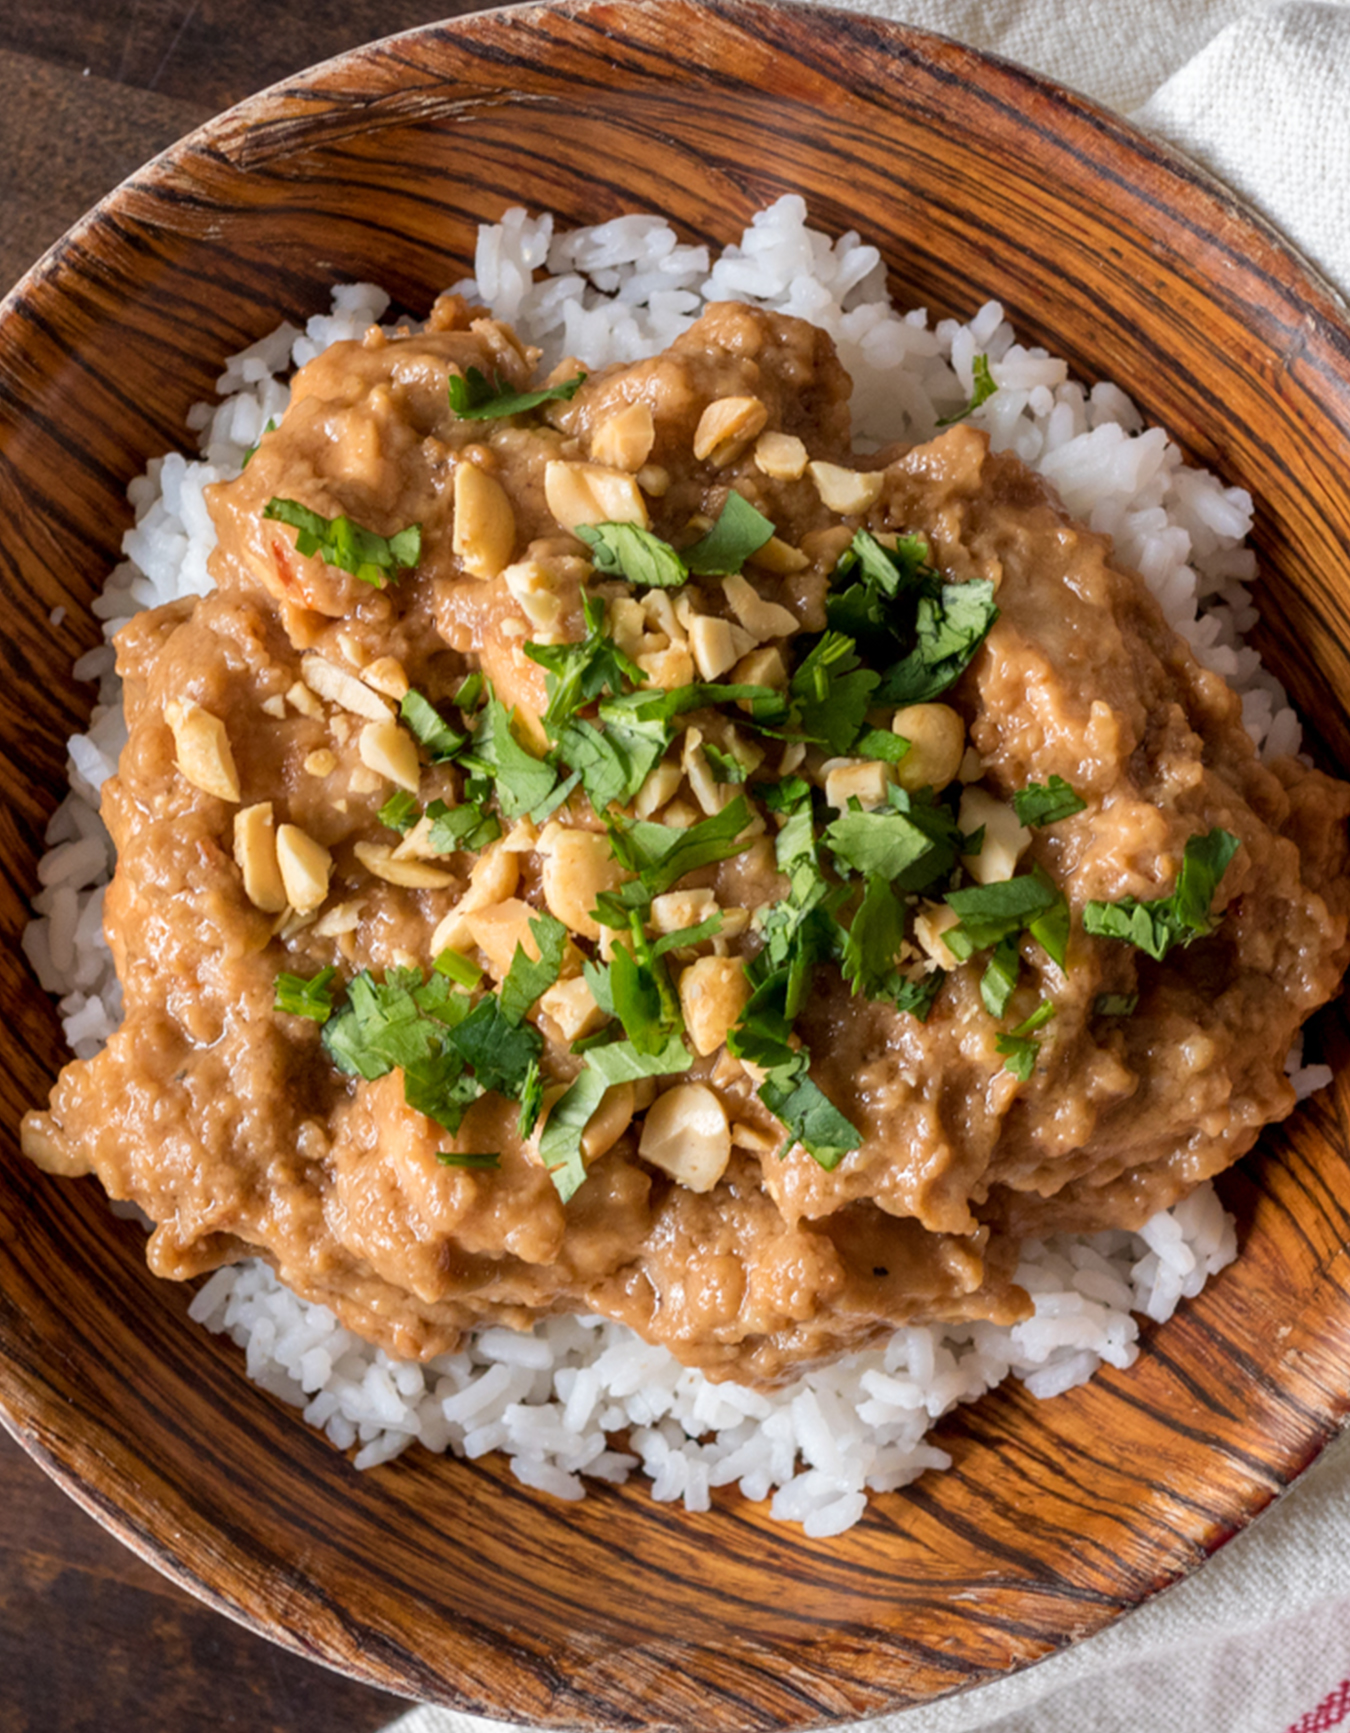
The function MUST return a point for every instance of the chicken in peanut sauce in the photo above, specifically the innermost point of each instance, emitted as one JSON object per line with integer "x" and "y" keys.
{"x": 602, "y": 846}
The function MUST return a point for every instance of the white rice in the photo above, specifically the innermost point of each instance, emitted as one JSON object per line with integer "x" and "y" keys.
{"x": 553, "y": 1398}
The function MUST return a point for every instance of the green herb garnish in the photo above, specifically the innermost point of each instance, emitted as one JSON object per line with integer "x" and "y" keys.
{"x": 301, "y": 996}
{"x": 1047, "y": 803}
{"x": 1115, "y": 1004}
{"x": 401, "y": 811}
{"x": 984, "y": 390}
{"x": 1180, "y": 919}
{"x": 473, "y": 398}
{"x": 345, "y": 544}
{"x": 425, "y": 722}
{"x": 1019, "y": 1047}
{"x": 463, "y": 1158}
{"x": 628, "y": 551}
{"x": 606, "y": 1065}
{"x": 740, "y": 531}
{"x": 1031, "y": 902}
{"x": 467, "y": 826}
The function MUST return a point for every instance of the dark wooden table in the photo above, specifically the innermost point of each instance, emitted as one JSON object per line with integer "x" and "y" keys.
{"x": 91, "y": 1639}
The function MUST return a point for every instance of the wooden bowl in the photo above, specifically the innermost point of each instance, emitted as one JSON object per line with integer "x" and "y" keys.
{"x": 450, "y": 1581}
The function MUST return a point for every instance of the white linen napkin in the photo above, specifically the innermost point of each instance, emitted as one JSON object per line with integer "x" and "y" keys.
{"x": 1259, "y": 1640}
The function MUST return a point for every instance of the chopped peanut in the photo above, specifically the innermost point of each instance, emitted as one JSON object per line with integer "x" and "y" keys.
{"x": 203, "y": 749}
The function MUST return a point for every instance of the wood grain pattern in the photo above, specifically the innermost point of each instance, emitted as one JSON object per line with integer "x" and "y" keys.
{"x": 449, "y": 1580}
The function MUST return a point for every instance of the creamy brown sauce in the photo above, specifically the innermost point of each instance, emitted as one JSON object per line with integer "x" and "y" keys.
{"x": 225, "y": 1121}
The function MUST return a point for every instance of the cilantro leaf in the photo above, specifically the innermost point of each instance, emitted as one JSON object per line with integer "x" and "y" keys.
{"x": 1047, "y": 803}
{"x": 832, "y": 693}
{"x": 1019, "y": 1047}
{"x": 612, "y": 762}
{"x": 984, "y": 390}
{"x": 628, "y": 551}
{"x": 473, "y": 399}
{"x": 616, "y": 1062}
{"x": 990, "y": 913}
{"x": 529, "y": 977}
{"x": 872, "y": 944}
{"x": 880, "y": 743}
{"x": 1115, "y": 1004}
{"x": 868, "y": 608}
{"x": 579, "y": 673}
{"x": 1180, "y": 919}
{"x": 427, "y": 725}
{"x": 345, "y": 544}
{"x": 740, "y": 531}
{"x": 810, "y": 1116}
{"x": 662, "y": 854}
{"x": 912, "y": 846}
{"x": 949, "y": 629}
{"x": 917, "y": 997}
{"x": 401, "y": 811}
{"x": 466, "y": 826}
{"x": 499, "y": 1051}
{"x": 464, "y": 1158}
{"x": 725, "y": 766}
{"x": 520, "y": 780}
{"x": 310, "y": 997}
{"x": 999, "y": 980}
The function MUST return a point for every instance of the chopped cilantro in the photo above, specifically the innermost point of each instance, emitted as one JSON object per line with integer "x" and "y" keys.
{"x": 499, "y": 1050}
{"x": 832, "y": 692}
{"x": 984, "y": 390}
{"x": 880, "y": 743}
{"x": 529, "y": 977}
{"x": 428, "y": 726}
{"x": 866, "y": 609}
{"x": 810, "y": 1116}
{"x": 401, "y": 811}
{"x": 466, "y": 826}
{"x": 310, "y": 997}
{"x": 1180, "y": 919}
{"x": 740, "y": 531}
{"x": 1047, "y": 803}
{"x": 577, "y": 674}
{"x": 463, "y": 1158}
{"x": 531, "y": 1100}
{"x": 520, "y": 780}
{"x": 999, "y": 980}
{"x": 871, "y": 952}
{"x": 345, "y": 544}
{"x": 1115, "y": 1004}
{"x": 949, "y": 628}
{"x": 628, "y": 551}
{"x": 913, "y": 843}
{"x": 990, "y": 913}
{"x": 469, "y": 691}
{"x": 662, "y": 854}
{"x": 473, "y": 398}
{"x": 725, "y": 766}
{"x": 917, "y": 997}
{"x": 614, "y": 1062}
{"x": 612, "y": 762}
{"x": 1019, "y": 1047}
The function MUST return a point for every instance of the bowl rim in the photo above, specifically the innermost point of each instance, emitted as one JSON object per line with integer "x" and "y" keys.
{"x": 228, "y": 135}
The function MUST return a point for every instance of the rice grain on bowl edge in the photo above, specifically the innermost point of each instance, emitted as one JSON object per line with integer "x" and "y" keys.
{"x": 552, "y": 1398}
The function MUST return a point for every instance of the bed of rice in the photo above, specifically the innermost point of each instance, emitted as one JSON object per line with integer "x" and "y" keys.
{"x": 552, "y": 1399}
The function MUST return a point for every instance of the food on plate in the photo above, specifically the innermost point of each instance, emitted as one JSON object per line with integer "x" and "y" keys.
{"x": 603, "y": 846}
{"x": 596, "y": 841}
